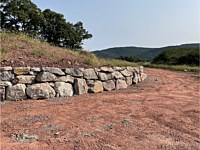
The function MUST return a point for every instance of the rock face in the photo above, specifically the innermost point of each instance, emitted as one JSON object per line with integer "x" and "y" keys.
{"x": 129, "y": 80}
{"x": 67, "y": 79}
{"x": 46, "y": 77}
{"x": 135, "y": 78}
{"x": 106, "y": 69}
{"x": 63, "y": 89}
{"x": 80, "y": 86}
{"x": 53, "y": 70}
{"x": 89, "y": 74}
{"x": 109, "y": 85}
{"x": 40, "y": 91}
{"x": 126, "y": 73}
{"x": 96, "y": 87}
{"x": 117, "y": 75}
{"x": 121, "y": 84}
{"x": 16, "y": 92}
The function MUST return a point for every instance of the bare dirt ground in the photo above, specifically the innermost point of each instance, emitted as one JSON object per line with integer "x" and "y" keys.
{"x": 160, "y": 113}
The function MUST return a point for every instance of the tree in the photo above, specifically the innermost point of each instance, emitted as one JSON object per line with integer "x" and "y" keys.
{"x": 20, "y": 15}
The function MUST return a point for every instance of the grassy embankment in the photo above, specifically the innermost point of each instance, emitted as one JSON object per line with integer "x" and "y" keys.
{"x": 17, "y": 41}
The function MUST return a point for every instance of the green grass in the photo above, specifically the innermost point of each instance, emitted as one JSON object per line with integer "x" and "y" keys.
{"x": 173, "y": 67}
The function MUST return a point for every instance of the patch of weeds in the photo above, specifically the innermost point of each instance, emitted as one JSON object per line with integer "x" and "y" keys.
{"x": 38, "y": 53}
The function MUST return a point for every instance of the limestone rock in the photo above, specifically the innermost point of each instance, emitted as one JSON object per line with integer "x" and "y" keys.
{"x": 141, "y": 69}
{"x": 76, "y": 72}
{"x": 9, "y": 68}
{"x": 129, "y": 80}
{"x": 16, "y": 92}
{"x": 80, "y": 86}
{"x": 118, "y": 69}
{"x": 53, "y": 70}
{"x": 143, "y": 76}
{"x": 90, "y": 74}
{"x": 121, "y": 84}
{"x": 40, "y": 91}
{"x": 106, "y": 69}
{"x": 126, "y": 73}
{"x": 105, "y": 76}
{"x": 67, "y": 79}
{"x": 109, "y": 85}
{"x": 63, "y": 89}
{"x": 22, "y": 70}
{"x": 135, "y": 78}
{"x": 26, "y": 79}
{"x": 6, "y": 76}
{"x": 36, "y": 69}
{"x": 46, "y": 77}
{"x": 96, "y": 87}
{"x": 117, "y": 75}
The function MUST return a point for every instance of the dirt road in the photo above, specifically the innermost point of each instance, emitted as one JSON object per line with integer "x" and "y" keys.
{"x": 160, "y": 113}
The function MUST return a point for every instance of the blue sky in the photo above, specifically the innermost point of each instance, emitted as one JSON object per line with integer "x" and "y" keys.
{"x": 147, "y": 23}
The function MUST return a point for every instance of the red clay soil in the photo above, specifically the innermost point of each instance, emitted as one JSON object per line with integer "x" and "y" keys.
{"x": 160, "y": 113}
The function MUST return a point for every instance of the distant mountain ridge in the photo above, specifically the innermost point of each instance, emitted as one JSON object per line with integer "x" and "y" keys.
{"x": 142, "y": 52}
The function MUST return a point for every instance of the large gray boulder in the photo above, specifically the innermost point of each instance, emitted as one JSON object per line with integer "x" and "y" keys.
{"x": 121, "y": 84}
{"x": 67, "y": 79}
{"x": 126, "y": 73}
{"x": 35, "y": 69}
{"x": 117, "y": 75}
{"x": 40, "y": 91}
{"x": 53, "y": 70}
{"x": 143, "y": 76}
{"x": 9, "y": 68}
{"x": 105, "y": 76}
{"x": 6, "y": 75}
{"x": 26, "y": 79}
{"x": 16, "y": 92}
{"x": 80, "y": 86}
{"x": 135, "y": 78}
{"x": 106, "y": 69}
{"x": 63, "y": 89}
{"x": 76, "y": 72}
{"x": 96, "y": 87}
{"x": 46, "y": 77}
{"x": 109, "y": 85}
{"x": 89, "y": 74}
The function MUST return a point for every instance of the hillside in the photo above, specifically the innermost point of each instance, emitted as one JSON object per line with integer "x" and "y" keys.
{"x": 145, "y": 53}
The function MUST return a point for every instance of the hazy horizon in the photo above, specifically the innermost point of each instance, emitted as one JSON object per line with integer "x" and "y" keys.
{"x": 117, "y": 23}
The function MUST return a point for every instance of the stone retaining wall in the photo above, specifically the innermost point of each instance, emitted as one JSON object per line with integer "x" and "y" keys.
{"x": 21, "y": 83}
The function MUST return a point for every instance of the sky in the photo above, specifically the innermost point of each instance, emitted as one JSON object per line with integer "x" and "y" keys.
{"x": 119, "y": 23}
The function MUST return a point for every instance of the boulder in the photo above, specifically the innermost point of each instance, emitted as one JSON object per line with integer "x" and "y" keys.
{"x": 76, "y": 72}
{"x": 131, "y": 69}
{"x": 16, "y": 92}
{"x": 117, "y": 75}
{"x": 22, "y": 70}
{"x": 106, "y": 69}
{"x": 26, "y": 79}
{"x": 80, "y": 86}
{"x": 135, "y": 78}
{"x": 141, "y": 69}
{"x": 109, "y": 85}
{"x": 40, "y": 91}
{"x": 121, "y": 84}
{"x": 67, "y": 79}
{"x": 46, "y": 77}
{"x": 89, "y": 74}
{"x": 118, "y": 69}
{"x": 126, "y": 73}
{"x": 63, "y": 89}
{"x": 143, "y": 76}
{"x": 105, "y": 76}
{"x": 36, "y": 69}
{"x": 53, "y": 70}
{"x": 6, "y": 76}
{"x": 96, "y": 87}
{"x": 129, "y": 80}
{"x": 9, "y": 68}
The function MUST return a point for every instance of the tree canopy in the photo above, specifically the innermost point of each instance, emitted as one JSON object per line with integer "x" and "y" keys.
{"x": 25, "y": 16}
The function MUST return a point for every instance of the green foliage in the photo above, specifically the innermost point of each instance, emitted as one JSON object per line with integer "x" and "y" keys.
{"x": 178, "y": 56}
{"x": 25, "y": 16}
{"x": 132, "y": 59}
